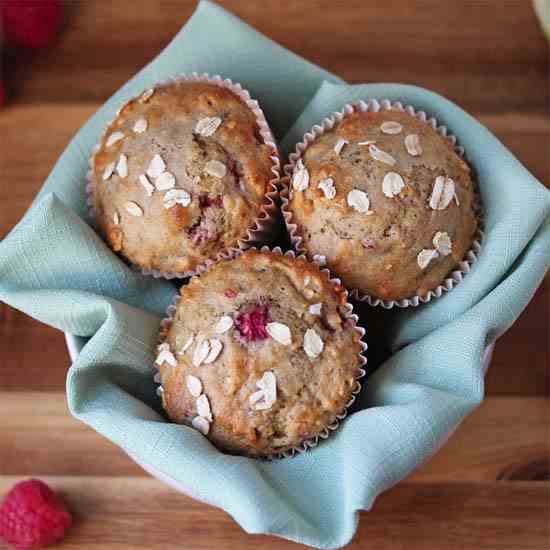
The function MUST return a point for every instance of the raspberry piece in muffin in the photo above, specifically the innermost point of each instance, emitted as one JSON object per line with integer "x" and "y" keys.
{"x": 252, "y": 324}
{"x": 183, "y": 174}
{"x": 262, "y": 354}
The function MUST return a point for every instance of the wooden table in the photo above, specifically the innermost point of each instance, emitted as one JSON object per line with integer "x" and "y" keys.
{"x": 489, "y": 487}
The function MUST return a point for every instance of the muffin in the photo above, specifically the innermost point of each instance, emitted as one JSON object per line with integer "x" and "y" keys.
{"x": 385, "y": 199}
{"x": 184, "y": 173}
{"x": 261, "y": 354}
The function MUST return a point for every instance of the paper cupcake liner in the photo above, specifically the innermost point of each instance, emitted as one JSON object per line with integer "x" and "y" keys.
{"x": 262, "y": 228}
{"x": 375, "y": 105}
{"x": 349, "y": 316}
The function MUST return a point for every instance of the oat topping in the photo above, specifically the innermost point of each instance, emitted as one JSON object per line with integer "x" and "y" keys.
{"x": 201, "y": 424}
{"x": 134, "y": 209}
{"x": 215, "y": 168}
{"x": 201, "y": 352}
{"x": 165, "y": 181}
{"x": 165, "y": 356}
{"x": 113, "y": 138}
{"x": 116, "y": 218}
{"x": 176, "y": 196}
{"x": 108, "y": 172}
{"x": 412, "y": 144}
{"x": 156, "y": 167}
{"x": 146, "y": 95}
{"x": 224, "y": 324}
{"x": 215, "y": 349}
{"x": 425, "y": 256}
{"x": 391, "y": 127}
{"x": 148, "y": 186}
{"x": 442, "y": 193}
{"x": 280, "y": 333}
{"x": 255, "y": 397}
{"x": 188, "y": 344}
{"x": 381, "y": 156}
{"x": 327, "y": 186}
{"x": 320, "y": 259}
{"x": 300, "y": 179}
{"x": 443, "y": 246}
{"x": 359, "y": 201}
{"x": 207, "y": 126}
{"x": 268, "y": 383}
{"x": 122, "y": 166}
{"x": 340, "y": 145}
{"x": 203, "y": 407}
{"x": 267, "y": 394}
{"x": 313, "y": 344}
{"x": 392, "y": 184}
{"x": 257, "y": 403}
{"x": 194, "y": 385}
{"x": 140, "y": 126}
{"x": 315, "y": 309}
{"x": 443, "y": 243}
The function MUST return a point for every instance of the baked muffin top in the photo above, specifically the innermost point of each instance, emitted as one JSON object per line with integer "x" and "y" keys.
{"x": 387, "y": 200}
{"x": 268, "y": 341}
{"x": 181, "y": 174}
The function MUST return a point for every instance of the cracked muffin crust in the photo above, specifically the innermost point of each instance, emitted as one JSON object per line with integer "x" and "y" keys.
{"x": 181, "y": 174}
{"x": 261, "y": 354}
{"x": 387, "y": 201}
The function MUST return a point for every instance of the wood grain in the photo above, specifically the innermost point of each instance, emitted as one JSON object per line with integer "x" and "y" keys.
{"x": 513, "y": 431}
{"x": 495, "y": 59}
{"x": 521, "y": 361}
{"x": 32, "y": 355}
{"x": 133, "y": 513}
{"x": 29, "y": 155}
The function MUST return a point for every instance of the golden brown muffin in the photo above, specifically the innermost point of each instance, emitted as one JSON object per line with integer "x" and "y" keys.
{"x": 262, "y": 354}
{"x": 181, "y": 174}
{"x": 387, "y": 200}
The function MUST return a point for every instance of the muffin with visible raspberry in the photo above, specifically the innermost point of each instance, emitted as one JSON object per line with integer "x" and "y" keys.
{"x": 262, "y": 354}
{"x": 385, "y": 199}
{"x": 183, "y": 174}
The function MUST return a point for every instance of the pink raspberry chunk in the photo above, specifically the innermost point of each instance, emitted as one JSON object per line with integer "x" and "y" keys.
{"x": 252, "y": 324}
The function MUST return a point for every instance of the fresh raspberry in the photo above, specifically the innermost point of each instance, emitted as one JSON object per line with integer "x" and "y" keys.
{"x": 33, "y": 516}
{"x": 251, "y": 324}
{"x": 31, "y": 23}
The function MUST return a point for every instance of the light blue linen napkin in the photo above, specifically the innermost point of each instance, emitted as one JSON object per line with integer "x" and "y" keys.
{"x": 55, "y": 268}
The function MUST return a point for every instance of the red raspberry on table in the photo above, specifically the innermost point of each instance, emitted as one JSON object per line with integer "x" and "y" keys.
{"x": 31, "y": 23}
{"x": 33, "y": 516}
